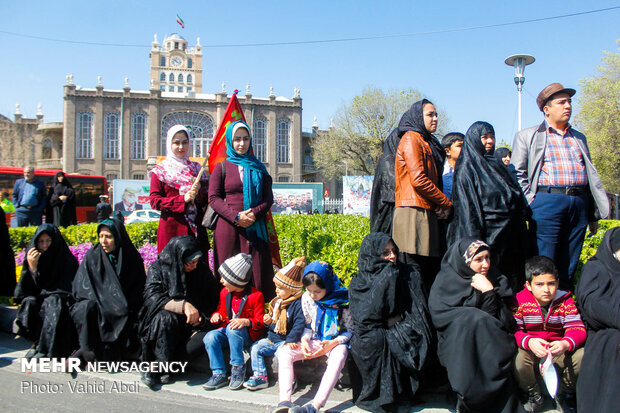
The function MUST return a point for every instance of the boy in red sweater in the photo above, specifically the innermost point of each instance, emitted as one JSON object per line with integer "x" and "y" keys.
{"x": 547, "y": 319}
{"x": 239, "y": 315}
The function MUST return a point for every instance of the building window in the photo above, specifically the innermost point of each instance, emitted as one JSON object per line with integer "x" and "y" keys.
{"x": 283, "y": 141}
{"x": 162, "y": 61}
{"x": 111, "y": 129}
{"x": 189, "y": 78}
{"x": 189, "y": 88}
{"x": 84, "y": 135}
{"x": 162, "y": 77}
{"x": 180, "y": 78}
{"x": 47, "y": 149}
{"x": 138, "y": 176}
{"x": 259, "y": 141}
{"x": 284, "y": 178}
{"x": 138, "y": 135}
{"x": 171, "y": 77}
{"x": 162, "y": 88}
{"x": 170, "y": 88}
{"x": 176, "y": 45}
{"x": 200, "y": 125}
{"x": 183, "y": 46}
{"x": 190, "y": 63}
{"x": 180, "y": 89}
{"x": 111, "y": 177}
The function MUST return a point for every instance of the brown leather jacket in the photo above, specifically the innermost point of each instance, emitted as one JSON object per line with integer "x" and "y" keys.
{"x": 416, "y": 174}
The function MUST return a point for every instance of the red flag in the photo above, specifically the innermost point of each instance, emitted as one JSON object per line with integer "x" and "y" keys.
{"x": 217, "y": 154}
{"x": 326, "y": 194}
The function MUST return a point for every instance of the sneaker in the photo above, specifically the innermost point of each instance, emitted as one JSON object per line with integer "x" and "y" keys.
{"x": 215, "y": 382}
{"x": 164, "y": 378}
{"x": 284, "y": 407}
{"x": 256, "y": 382}
{"x": 147, "y": 379}
{"x": 566, "y": 402}
{"x": 237, "y": 376}
{"x": 535, "y": 402}
{"x": 306, "y": 408}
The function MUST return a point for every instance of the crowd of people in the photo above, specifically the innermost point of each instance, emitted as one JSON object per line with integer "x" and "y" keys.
{"x": 464, "y": 280}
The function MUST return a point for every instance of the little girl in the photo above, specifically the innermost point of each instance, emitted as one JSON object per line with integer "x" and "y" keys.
{"x": 325, "y": 306}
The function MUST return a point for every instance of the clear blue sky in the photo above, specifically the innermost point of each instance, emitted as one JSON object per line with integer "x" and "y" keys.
{"x": 462, "y": 72}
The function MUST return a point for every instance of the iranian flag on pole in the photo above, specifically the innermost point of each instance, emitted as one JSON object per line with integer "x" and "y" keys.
{"x": 217, "y": 154}
{"x": 180, "y": 21}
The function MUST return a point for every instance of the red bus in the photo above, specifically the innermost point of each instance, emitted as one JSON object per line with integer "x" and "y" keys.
{"x": 87, "y": 189}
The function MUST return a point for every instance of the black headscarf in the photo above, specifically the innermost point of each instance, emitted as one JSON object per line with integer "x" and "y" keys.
{"x": 387, "y": 354}
{"x": 63, "y": 213}
{"x": 489, "y": 204}
{"x": 501, "y": 153}
{"x": 7, "y": 259}
{"x": 382, "y": 197}
{"x": 55, "y": 270}
{"x": 114, "y": 281}
{"x": 413, "y": 120}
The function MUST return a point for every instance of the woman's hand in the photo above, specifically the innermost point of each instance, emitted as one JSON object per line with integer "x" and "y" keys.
{"x": 33, "y": 258}
{"x": 244, "y": 220}
{"x": 481, "y": 283}
{"x": 192, "y": 314}
{"x": 190, "y": 195}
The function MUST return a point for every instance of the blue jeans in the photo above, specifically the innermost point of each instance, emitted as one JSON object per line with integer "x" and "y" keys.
{"x": 216, "y": 340}
{"x": 261, "y": 349}
{"x": 560, "y": 223}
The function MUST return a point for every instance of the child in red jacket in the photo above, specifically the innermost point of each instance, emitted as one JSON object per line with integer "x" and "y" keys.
{"x": 547, "y": 319}
{"x": 239, "y": 315}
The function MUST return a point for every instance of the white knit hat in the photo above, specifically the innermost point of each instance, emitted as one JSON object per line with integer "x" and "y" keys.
{"x": 237, "y": 270}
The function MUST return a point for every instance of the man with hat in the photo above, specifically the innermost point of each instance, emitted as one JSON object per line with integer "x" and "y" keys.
{"x": 103, "y": 210}
{"x": 560, "y": 182}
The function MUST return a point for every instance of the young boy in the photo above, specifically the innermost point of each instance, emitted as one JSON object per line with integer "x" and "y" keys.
{"x": 285, "y": 320}
{"x": 240, "y": 317}
{"x": 547, "y": 319}
{"x": 452, "y": 144}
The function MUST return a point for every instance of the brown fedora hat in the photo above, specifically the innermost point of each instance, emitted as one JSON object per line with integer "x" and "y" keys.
{"x": 551, "y": 90}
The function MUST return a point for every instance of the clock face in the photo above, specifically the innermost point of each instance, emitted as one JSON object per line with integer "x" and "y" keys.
{"x": 176, "y": 61}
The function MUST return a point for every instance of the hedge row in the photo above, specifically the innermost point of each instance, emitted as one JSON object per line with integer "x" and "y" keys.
{"x": 330, "y": 237}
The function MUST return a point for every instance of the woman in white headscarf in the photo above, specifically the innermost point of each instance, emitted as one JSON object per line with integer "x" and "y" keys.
{"x": 174, "y": 193}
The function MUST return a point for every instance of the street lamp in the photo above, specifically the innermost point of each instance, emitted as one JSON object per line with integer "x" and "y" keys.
{"x": 519, "y": 61}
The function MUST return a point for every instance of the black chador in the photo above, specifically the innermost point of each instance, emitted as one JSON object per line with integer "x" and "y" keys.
{"x": 63, "y": 212}
{"x": 598, "y": 297}
{"x": 178, "y": 283}
{"x": 7, "y": 259}
{"x": 475, "y": 332}
{"x": 108, "y": 292}
{"x": 44, "y": 291}
{"x": 382, "y": 197}
{"x": 392, "y": 333}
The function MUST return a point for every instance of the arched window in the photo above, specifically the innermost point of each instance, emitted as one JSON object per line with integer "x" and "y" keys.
{"x": 47, "y": 149}
{"x": 283, "y": 132}
{"x": 189, "y": 78}
{"x": 171, "y": 77}
{"x": 259, "y": 140}
{"x": 111, "y": 129}
{"x": 162, "y": 77}
{"x": 138, "y": 135}
{"x": 84, "y": 135}
{"x": 190, "y": 63}
{"x": 200, "y": 125}
{"x": 162, "y": 61}
{"x": 180, "y": 78}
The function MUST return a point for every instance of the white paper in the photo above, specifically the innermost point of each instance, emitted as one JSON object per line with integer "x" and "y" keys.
{"x": 549, "y": 375}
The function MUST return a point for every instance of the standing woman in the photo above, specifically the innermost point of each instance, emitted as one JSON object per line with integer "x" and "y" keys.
{"x": 382, "y": 195}
{"x": 62, "y": 201}
{"x": 489, "y": 204}
{"x": 242, "y": 197}
{"x": 44, "y": 292}
{"x": 174, "y": 194}
{"x": 7, "y": 259}
{"x": 418, "y": 196}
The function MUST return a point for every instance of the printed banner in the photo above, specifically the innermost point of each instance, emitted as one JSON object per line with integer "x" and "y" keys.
{"x": 356, "y": 195}
{"x": 130, "y": 194}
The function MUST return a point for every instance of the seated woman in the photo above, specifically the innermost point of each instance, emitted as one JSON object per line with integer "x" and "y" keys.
{"x": 179, "y": 297}
{"x": 468, "y": 305}
{"x": 108, "y": 290}
{"x": 598, "y": 295}
{"x": 44, "y": 291}
{"x": 392, "y": 332}
{"x": 489, "y": 204}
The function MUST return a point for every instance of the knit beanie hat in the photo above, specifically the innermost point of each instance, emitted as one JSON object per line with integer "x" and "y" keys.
{"x": 237, "y": 270}
{"x": 289, "y": 277}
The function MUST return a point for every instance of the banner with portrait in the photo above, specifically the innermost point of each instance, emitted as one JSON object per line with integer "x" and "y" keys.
{"x": 297, "y": 198}
{"x": 356, "y": 195}
{"x": 130, "y": 195}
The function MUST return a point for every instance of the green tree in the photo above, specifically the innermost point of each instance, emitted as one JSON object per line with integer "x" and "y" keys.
{"x": 360, "y": 128}
{"x": 599, "y": 119}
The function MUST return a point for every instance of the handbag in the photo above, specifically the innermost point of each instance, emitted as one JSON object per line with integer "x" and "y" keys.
{"x": 209, "y": 221}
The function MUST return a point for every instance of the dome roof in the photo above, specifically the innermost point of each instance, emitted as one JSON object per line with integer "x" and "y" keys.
{"x": 175, "y": 36}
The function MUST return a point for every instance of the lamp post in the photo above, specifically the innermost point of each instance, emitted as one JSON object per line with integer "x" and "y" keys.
{"x": 519, "y": 61}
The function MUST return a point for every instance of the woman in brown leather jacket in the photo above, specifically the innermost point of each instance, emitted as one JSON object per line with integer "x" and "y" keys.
{"x": 419, "y": 200}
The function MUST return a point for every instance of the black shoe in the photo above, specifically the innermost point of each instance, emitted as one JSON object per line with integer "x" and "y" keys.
{"x": 566, "y": 402}
{"x": 147, "y": 379}
{"x": 535, "y": 402}
{"x": 164, "y": 378}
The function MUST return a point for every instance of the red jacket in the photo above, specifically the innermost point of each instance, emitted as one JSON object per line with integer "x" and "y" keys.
{"x": 253, "y": 309}
{"x": 563, "y": 321}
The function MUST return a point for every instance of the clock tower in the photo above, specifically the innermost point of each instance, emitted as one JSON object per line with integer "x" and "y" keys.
{"x": 175, "y": 67}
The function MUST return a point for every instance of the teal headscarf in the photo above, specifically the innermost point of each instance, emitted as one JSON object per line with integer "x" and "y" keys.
{"x": 253, "y": 172}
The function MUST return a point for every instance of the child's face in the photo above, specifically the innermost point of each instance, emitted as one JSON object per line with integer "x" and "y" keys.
{"x": 543, "y": 287}
{"x": 454, "y": 150}
{"x": 316, "y": 292}
{"x": 283, "y": 293}
{"x": 231, "y": 288}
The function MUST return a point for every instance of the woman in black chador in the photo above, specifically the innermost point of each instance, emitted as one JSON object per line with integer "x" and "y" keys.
{"x": 108, "y": 292}
{"x": 44, "y": 291}
{"x": 598, "y": 295}
{"x": 382, "y": 195}
{"x": 7, "y": 259}
{"x": 469, "y": 308}
{"x": 179, "y": 297}
{"x": 392, "y": 333}
{"x": 62, "y": 201}
{"x": 489, "y": 204}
